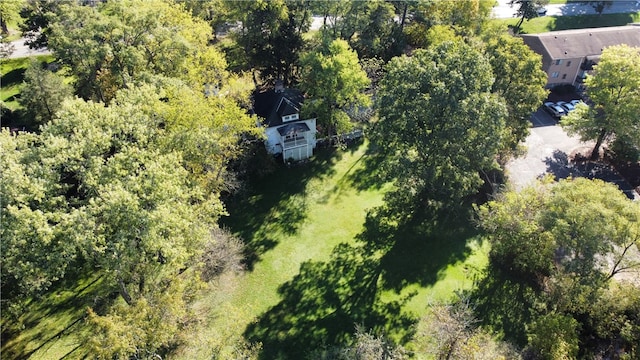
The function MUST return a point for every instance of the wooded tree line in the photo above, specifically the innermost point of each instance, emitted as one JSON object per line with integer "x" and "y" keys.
{"x": 125, "y": 179}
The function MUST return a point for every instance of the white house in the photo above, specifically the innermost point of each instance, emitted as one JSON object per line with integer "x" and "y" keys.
{"x": 287, "y": 133}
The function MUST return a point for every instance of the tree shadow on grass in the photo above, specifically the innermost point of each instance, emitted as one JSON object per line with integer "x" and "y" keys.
{"x": 418, "y": 249}
{"x": 275, "y": 204}
{"x": 67, "y": 302}
{"x": 326, "y": 300}
{"x": 13, "y": 77}
{"x": 369, "y": 175}
{"x": 504, "y": 303}
{"x": 322, "y": 304}
{"x": 574, "y": 18}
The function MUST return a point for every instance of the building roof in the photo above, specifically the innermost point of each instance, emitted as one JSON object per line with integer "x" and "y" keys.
{"x": 272, "y": 106}
{"x": 580, "y": 43}
{"x": 295, "y": 128}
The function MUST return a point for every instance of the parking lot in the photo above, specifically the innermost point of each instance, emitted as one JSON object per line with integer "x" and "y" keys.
{"x": 549, "y": 150}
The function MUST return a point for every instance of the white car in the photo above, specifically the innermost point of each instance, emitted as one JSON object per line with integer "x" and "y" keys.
{"x": 555, "y": 109}
{"x": 567, "y": 106}
{"x": 542, "y": 11}
{"x": 576, "y": 102}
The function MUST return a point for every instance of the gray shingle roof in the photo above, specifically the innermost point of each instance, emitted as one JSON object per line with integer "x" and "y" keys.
{"x": 272, "y": 106}
{"x": 580, "y": 43}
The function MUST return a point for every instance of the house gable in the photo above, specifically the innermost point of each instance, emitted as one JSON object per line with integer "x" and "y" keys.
{"x": 287, "y": 133}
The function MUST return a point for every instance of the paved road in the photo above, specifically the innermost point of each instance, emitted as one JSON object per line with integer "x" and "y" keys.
{"x": 21, "y": 50}
{"x": 503, "y": 10}
{"x": 548, "y": 150}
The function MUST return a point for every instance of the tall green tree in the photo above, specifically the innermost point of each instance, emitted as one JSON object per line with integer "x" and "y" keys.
{"x": 368, "y": 26}
{"x": 38, "y": 16}
{"x": 519, "y": 80}
{"x": 125, "y": 42}
{"x": 129, "y": 191}
{"x": 42, "y": 93}
{"x": 439, "y": 125}
{"x": 571, "y": 243}
{"x": 9, "y": 11}
{"x": 218, "y": 13}
{"x": 333, "y": 81}
{"x": 614, "y": 89}
{"x": 582, "y": 227}
{"x": 271, "y": 36}
{"x": 467, "y": 17}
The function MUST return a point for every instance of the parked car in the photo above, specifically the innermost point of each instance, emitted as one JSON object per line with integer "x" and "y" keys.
{"x": 567, "y": 106}
{"x": 542, "y": 11}
{"x": 576, "y": 102}
{"x": 555, "y": 109}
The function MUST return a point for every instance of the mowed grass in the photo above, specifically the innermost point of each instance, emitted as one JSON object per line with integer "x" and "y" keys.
{"x": 11, "y": 77}
{"x": 556, "y": 23}
{"x": 298, "y": 216}
{"x": 52, "y": 325}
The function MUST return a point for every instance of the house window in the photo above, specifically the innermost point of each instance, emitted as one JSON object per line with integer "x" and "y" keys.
{"x": 290, "y": 117}
{"x": 569, "y": 63}
{"x": 555, "y": 74}
{"x": 564, "y": 76}
{"x": 559, "y": 62}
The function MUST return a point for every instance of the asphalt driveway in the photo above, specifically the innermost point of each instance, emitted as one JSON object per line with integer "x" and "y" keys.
{"x": 549, "y": 150}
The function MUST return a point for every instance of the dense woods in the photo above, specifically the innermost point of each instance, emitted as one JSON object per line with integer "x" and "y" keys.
{"x": 132, "y": 152}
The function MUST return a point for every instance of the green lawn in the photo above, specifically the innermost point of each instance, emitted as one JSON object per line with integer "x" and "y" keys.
{"x": 51, "y": 324}
{"x": 293, "y": 222}
{"x": 11, "y": 76}
{"x": 555, "y": 23}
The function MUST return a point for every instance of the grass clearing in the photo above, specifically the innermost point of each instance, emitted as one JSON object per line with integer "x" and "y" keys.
{"x": 556, "y": 23}
{"x": 294, "y": 224}
{"x": 51, "y": 326}
{"x": 11, "y": 77}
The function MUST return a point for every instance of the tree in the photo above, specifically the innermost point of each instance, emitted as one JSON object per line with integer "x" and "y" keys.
{"x": 366, "y": 346}
{"x": 614, "y": 89}
{"x": 42, "y": 93}
{"x": 451, "y": 331}
{"x": 520, "y": 81}
{"x": 527, "y": 9}
{"x": 218, "y": 13}
{"x": 38, "y": 15}
{"x": 467, "y": 17}
{"x": 9, "y": 11}
{"x": 333, "y": 81}
{"x": 586, "y": 228}
{"x": 368, "y": 26}
{"x": 554, "y": 337}
{"x": 110, "y": 189}
{"x": 271, "y": 36}
{"x": 380, "y": 36}
{"x": 124, "y": 43}
{"x": 571, "y": 243}
{"x": 439, "y": 126}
